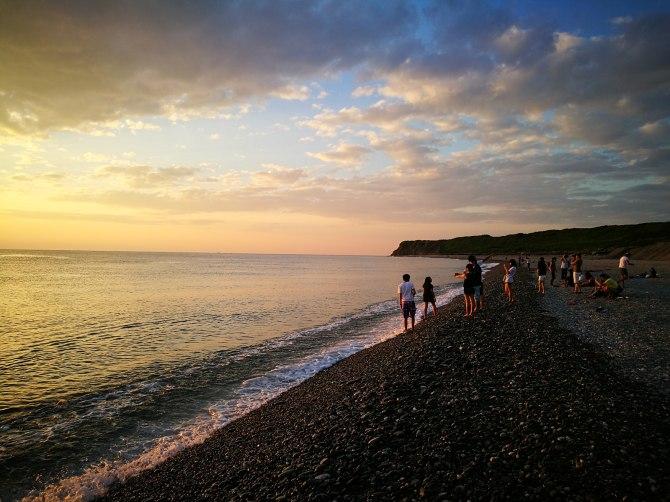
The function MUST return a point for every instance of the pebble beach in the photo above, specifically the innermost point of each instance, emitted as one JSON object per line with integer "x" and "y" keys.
{"x": 514, "y": 404}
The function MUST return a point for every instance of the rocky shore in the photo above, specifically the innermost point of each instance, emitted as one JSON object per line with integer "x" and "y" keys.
{"x": 509, "y": 405}
{"x": 632, "y": 330}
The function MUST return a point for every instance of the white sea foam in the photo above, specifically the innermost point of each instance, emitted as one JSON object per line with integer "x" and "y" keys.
{"x": 251, "y": 394}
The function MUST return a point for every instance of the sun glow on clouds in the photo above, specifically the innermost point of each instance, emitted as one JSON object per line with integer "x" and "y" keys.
{"x": 342, "y": 129}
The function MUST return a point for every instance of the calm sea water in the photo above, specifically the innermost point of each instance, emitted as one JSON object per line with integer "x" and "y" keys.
{"x": 112, "y": 362}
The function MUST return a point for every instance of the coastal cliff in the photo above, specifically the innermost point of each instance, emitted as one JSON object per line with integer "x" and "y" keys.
{"x": 648, "y": 240}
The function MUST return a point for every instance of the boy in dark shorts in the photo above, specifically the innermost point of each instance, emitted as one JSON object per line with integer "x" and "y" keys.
{"x": 406, "y": 292}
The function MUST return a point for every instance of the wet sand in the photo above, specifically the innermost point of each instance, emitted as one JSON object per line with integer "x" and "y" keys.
{"x": 509, "y": 405}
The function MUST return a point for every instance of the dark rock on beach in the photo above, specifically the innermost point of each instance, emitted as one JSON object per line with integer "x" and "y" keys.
{"x": 509, "y": 405}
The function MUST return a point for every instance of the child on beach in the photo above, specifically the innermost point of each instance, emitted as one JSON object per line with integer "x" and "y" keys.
{"x": 541, "y": 275}
{"x": 468, "y": 289}
{"x": 552, "y": 269}
{"x": 508, "y": 280}
{"x": 428, "y": 297}
{"x": 406, "y": 292}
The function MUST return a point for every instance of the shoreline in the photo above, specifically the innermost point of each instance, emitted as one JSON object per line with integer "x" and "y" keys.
{"x": 96, "y": 477}
{"x": 453, "y": 409}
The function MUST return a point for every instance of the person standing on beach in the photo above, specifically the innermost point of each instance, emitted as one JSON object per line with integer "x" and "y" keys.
{"x": 468, "y": 289}
{"x": 624, "y": 263}
{"x": 508, "y": 280}
{"x": 571, "y": 282}
{"x": 565, "y": 265}
{"x": 552, "y": 269}
{"x": 428, "y": 297}
{"x": 406, "y": 292}
{"x": 577, "y": 272}
{"x": 477, "y": 282}
{"x": 541, "y": 275}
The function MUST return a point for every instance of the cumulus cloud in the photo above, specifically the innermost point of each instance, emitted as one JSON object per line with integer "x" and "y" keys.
{"x": 342, "y": 154}
{"x": 362, "y": 91}
{"x": 72, "y": 64}
{"x": 292, "y": 92}
{"x": 522, "y": 107}
{"x": 498, "y": 117}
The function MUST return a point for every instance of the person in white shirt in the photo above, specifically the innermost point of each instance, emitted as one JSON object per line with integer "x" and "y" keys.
{"x": 508, "y": 280}
{"x": 624, "y": 262}
{"x": 406, "y": 292}
{"x": 565, "y": 265}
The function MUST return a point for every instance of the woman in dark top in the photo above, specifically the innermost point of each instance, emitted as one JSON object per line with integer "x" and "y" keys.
{"x": 428, "y": 297}
{"x": 468, "y": 289}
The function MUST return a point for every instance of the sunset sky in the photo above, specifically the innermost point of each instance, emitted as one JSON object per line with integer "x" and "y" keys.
{"x": 327, "y": 127}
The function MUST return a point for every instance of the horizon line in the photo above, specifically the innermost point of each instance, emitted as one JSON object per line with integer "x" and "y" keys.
{"x": 186, "y": 252}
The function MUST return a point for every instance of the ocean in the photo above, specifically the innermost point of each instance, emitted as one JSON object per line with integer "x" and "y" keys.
{"x": 111, "y": 362}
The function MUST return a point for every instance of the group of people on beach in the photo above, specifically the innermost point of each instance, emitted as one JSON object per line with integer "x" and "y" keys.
{"x": 473, "y": 291}
{"x": 406, "y": 292}
{"x": 473, "y": 287}
{"x": 572, "y": 276}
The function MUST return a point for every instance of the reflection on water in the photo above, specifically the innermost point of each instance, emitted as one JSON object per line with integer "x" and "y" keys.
{"x": 101, "y": 353}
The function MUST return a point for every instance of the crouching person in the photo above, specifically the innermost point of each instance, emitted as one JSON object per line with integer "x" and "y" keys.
{"x": 606, "y": 287}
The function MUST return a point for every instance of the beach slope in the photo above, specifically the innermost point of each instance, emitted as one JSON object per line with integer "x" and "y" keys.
{"x": 510, "y": 405}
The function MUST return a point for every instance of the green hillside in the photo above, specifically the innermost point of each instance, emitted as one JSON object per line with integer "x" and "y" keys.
{"x": 598, "y": 240}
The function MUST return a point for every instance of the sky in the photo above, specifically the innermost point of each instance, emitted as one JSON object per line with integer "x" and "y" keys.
{"x": 329, "y": 127}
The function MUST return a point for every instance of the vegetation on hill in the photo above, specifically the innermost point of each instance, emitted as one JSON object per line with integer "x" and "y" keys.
{"x": 599, "y": 240}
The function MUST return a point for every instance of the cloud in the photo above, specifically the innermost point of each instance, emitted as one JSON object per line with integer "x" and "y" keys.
{"x": 522, "y": 107}
{"x": 145, "y": 176}
{"x": 138, "y": 125}
{"x": 71, "y": 65}
{"x": 529, "y": 71}
{"x": 276, "y": 175}
{"x": 292, "y": 93}
{"x": 497, "y": 118}
{"x": 44, "y": 176}
{"x": 343, "y": 154}
{"x": 363, "y": 91}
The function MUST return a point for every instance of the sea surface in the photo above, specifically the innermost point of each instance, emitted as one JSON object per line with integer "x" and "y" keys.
{"x": 112, "y": 362}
